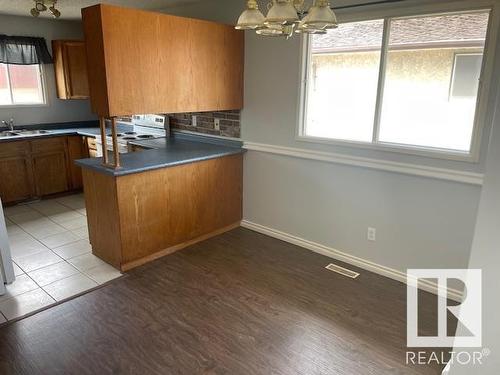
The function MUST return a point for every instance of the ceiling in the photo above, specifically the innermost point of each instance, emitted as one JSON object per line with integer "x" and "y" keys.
{"x": 70, "y": 9}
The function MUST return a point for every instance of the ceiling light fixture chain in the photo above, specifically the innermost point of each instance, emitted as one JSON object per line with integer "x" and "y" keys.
{"x": 284, "y": 17}
{"x": 41, "y": 6}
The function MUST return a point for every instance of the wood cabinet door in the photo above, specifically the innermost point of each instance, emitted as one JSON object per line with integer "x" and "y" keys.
{"x": 50, "y": 173}
{"x": 75, "y": 57}
{"x": 15, "y": 179}
{"x": 70, "y": 64}
{"x": 145, "y": 62}
{"x": 76, "y": 150}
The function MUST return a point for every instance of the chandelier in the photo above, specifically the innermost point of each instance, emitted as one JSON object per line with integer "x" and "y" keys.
{"x": 284, "y": 17}
{"x": 41, "y": 6}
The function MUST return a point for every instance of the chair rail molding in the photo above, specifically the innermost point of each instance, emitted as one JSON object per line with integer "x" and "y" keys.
{"x": 471, "y": 178}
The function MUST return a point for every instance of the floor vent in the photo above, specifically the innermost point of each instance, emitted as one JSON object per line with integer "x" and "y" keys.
{"x": 342, "y": 271}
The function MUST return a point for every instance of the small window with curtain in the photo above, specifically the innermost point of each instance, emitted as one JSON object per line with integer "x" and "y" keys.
{"x": 21, "y": 72}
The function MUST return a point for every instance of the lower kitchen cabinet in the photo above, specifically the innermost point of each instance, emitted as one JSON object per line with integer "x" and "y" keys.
{"x": 15, "y": 179}
{"x": 91, "y": 146}
{"x": 77, "y": 149}
{"x": 40, "y": 167}
{"x": 51, "y": 174}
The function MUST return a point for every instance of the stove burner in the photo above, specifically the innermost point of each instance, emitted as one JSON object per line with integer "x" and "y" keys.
{"x": 119, "y": 135}
{"x": 129, "y": 138}
{"x": 145, "y": 136}
{"x": 130, "y": 133}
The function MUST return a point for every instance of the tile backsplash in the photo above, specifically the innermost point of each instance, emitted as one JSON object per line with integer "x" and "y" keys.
{"x": 229, "y": 122}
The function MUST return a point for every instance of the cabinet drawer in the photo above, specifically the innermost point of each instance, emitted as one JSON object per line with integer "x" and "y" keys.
{"x": 48, "y": 145}
{"x": 13, "y": 149}
{"x": 91, "y": 142}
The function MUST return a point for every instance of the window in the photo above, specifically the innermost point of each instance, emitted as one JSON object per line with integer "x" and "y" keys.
{"x": 344, "y": 79}
{"x": 466, "y": 75}
{"x": 403, "y": 82}
{"x": 21, "y": 85}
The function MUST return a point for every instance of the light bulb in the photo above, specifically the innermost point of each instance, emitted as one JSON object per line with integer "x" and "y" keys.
{"x": 55, "y": 12}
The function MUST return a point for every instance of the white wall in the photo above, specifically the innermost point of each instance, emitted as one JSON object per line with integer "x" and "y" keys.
{"x": 57, "y": 110}
{"x": 421, "y": 222}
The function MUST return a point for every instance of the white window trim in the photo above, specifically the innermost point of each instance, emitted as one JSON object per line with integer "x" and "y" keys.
{"x": 412, "y": 9}
{"x": 43, "y": 85}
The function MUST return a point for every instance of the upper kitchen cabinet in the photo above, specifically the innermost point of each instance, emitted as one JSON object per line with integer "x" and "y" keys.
{"x": 144, "y": 62}
{"x": 70, "y": 64}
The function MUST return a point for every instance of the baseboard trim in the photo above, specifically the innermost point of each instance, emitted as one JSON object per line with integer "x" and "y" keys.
{"x": 363, "y": 162}
{"x": 391, "y": 273}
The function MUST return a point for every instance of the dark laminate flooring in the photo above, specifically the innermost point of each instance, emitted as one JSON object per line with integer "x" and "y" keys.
{"x": 240, "y": 303}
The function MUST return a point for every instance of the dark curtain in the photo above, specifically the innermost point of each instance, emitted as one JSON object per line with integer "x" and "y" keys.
{"x": 23, "y": 50}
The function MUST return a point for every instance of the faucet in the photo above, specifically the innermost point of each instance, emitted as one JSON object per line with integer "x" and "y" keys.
{"x": 9, "y": 124}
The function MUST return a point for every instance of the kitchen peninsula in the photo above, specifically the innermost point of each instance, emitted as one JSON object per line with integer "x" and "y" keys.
{"x": 143, "y": 205}
{"x": 182, "y": 191}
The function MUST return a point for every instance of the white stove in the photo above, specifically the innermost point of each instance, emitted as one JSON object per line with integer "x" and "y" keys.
{"x": 144, "y": 127}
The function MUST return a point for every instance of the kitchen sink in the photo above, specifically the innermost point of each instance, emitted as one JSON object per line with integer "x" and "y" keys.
{"x": 31, "y": 132}
{"x": 21, "y": 132}
{"x": 7, "y": 134}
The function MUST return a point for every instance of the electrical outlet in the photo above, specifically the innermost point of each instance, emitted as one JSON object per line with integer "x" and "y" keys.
{"x": 372, "y": 234}
{"x": 217, "y": 124}
{"x": 194, "y": 120}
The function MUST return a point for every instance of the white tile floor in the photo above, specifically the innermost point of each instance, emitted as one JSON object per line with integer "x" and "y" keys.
{"x": 52, "y": 255}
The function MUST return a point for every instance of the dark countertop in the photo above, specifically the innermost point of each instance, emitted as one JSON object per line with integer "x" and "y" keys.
{"x": 86, "y": 129}
{"x": 187, "y": 136}
{"x": 181, "y": 148}
{"x": 167, "y": 152}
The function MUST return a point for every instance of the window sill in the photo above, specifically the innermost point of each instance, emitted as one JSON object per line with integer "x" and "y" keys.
{"x": 24, "y": 105}
{"x": 395, "y": 148}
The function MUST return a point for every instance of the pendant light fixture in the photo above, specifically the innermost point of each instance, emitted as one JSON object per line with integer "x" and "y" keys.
{"x": 320, "y": 16}
{"x": 282, "y": 12}
{"x": 40, "y": 6}
{"x": 251, "y": 18}
{"x": 286, "y": 16}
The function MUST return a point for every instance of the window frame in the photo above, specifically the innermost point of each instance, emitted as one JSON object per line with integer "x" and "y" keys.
{"x": 483, "y": 112}
{"x": 43, "y": 86}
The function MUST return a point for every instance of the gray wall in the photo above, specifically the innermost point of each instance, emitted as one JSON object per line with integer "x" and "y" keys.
{"x": 485, "y": 255}
{"x": 225, "y": 11}
{"x": 420, "y": 222}
{"x": 57, "y": 110}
